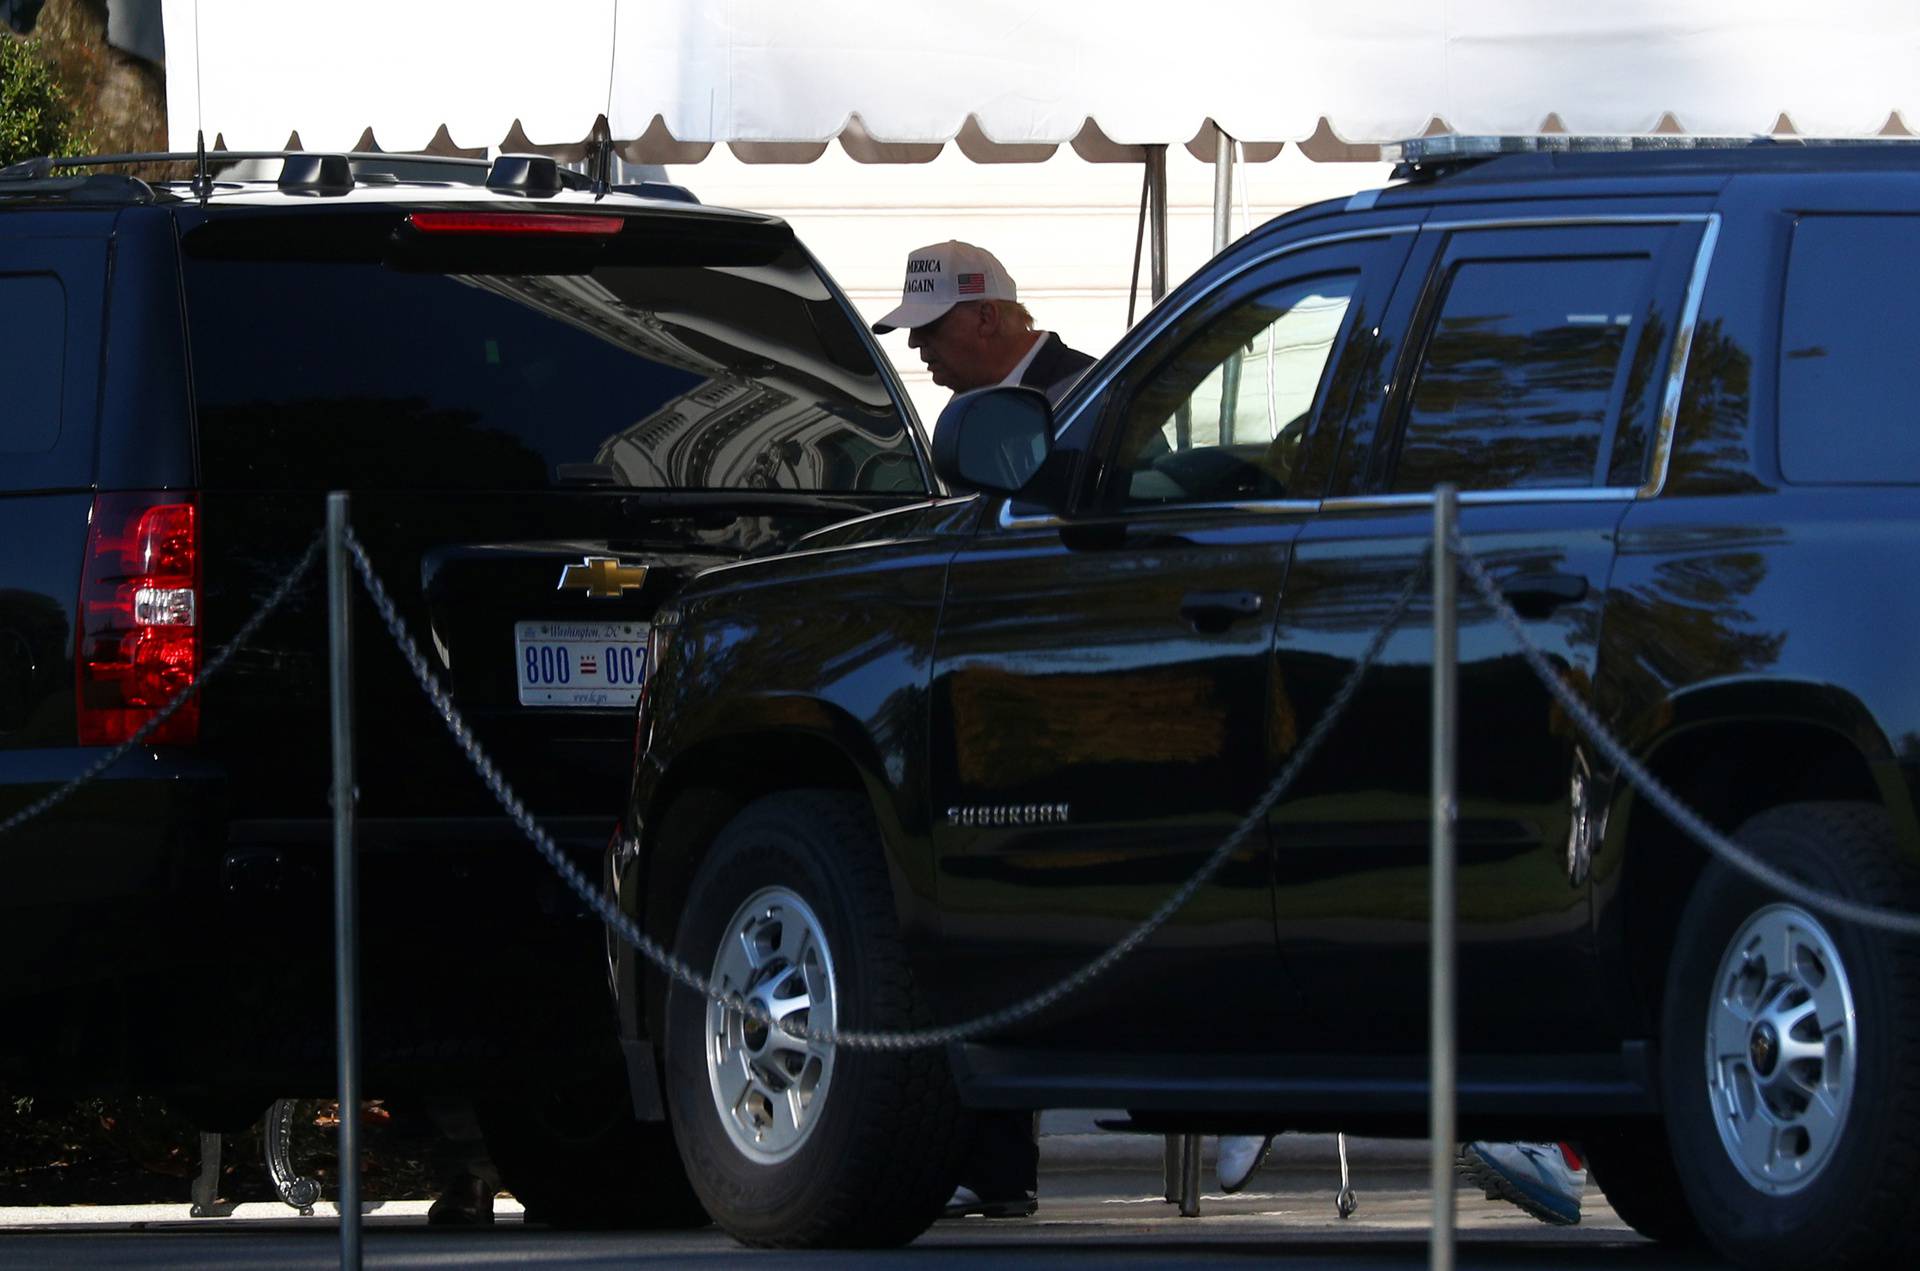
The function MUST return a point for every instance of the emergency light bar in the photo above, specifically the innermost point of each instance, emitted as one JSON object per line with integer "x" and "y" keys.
{"x": 1418, "y": 155}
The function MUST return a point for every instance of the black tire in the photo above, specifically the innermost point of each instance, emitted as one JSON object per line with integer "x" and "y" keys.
{"x": 1845, "y": 1186}
{"x": 576, "y": 1158}
{"x": 881, "y": 1150}
{"x": 1632, "y": 1165}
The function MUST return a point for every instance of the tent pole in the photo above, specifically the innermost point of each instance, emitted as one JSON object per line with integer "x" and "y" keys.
{"x": 1157, "y": 186}
{"x": 1157, "y": 183}
{"x": 1222, "y": 189}
{"x": 1222, "y": 233}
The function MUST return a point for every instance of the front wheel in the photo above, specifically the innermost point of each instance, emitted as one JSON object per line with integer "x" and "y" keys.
{"x": 794, "y": 1143}
{"x": 1633, "y": 1166}
{"x": 1788, "y": 1046}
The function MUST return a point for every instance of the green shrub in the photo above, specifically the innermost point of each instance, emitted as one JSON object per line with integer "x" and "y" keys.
{"x": 35, "y": 118}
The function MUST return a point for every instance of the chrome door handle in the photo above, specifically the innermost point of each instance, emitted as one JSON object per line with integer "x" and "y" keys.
{"x": 1538, "y": 595}
{"x": 1211, "y": 612}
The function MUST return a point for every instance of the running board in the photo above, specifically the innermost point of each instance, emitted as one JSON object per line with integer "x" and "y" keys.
{"x": 1331, "y": 1091}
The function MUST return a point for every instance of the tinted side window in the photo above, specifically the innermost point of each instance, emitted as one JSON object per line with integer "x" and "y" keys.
{"x": 1526, "y": 366}
{"x": 319, "y": 374}
{"x": 1223, "y": 417}
{"x": 1847, "y": 410}
{"x": 33, "y": 333}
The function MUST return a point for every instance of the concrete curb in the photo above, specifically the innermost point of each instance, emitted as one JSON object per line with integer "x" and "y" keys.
{"x": 1070, "y": 1143}
{"x": 26, "y": 1217}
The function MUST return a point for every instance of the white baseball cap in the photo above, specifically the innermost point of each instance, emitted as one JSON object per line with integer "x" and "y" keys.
{"x": 940, "y": 277}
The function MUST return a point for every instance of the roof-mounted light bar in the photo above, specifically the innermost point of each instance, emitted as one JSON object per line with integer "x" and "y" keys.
{"x": 1454, "y": 147}
{"x": 1417, "y": 155}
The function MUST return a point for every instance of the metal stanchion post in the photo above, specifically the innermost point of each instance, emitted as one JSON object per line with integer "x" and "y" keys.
{"x": 1223, "y": 190}
{"x": 1440, "y": 1120}
{"x": 346, "y": 956}
{"x": 1189, "y": 1176}
{"x": 1157, "y": 187}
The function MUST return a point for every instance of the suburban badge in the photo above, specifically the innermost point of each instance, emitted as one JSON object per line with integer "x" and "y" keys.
{"x": 1009, "y": 814}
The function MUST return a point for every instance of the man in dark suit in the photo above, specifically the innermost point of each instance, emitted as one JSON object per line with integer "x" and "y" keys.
{"x": 969, "y": 327}
{"x": 970, "y": 331}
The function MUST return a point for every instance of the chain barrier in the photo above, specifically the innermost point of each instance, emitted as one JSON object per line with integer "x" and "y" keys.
{"x": 166, "y": 712}
{"x": 921, "y": 1039}
{"x": 1696, "y": 826}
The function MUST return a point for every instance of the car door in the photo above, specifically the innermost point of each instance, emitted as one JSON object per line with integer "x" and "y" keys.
{"x": 52, "y": 290}
{"x": 542, "y": 439}
{"x": 538, "y": 454}
{"x": 52, "y": 309}
{"x": 1533, "y": 378}
{"x": 1099, "y": 712}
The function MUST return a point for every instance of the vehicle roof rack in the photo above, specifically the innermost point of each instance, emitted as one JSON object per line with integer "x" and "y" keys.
{"x": 45, "y": 163}
{"x": 24, "y": 180}
{"x": 313, "y": 172}
{"x": 1430, "y": 158}
{"x": 304, "y": 171}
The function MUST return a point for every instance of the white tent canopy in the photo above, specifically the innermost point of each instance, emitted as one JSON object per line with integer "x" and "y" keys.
{"x": 894, "y": 80}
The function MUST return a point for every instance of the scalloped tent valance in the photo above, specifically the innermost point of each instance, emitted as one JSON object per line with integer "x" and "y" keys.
{"x": 1011, "y": 80}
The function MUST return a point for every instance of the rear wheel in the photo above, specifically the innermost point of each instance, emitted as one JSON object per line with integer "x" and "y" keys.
{"x": 1788, "y": 1048}
{"x": 788, "y": 1142}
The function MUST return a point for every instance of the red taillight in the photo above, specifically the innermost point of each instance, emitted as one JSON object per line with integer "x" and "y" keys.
{"x": 516, "y": 223}
{"x": 139, "y": 641}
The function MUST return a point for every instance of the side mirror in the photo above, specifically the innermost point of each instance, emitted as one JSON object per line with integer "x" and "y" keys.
{"x": 993, "y": 439}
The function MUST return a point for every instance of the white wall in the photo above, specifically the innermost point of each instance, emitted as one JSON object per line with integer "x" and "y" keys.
{"x": 1064, "y": 228}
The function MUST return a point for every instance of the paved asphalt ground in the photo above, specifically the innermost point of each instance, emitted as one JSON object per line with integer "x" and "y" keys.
{"x": 1100, "y": 1207}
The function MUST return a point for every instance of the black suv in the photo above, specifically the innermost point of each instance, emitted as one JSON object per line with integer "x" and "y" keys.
{"x": 991, "y": 734}
{"x": 551, "y": 405}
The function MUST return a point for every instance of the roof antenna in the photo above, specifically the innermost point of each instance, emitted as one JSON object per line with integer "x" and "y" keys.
{"x": 202, "y": 183}
{"x": 603, "y": 148}
{"x": 602, "y": 165}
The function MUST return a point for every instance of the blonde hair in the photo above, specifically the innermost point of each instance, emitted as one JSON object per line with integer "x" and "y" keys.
{"x": 1021, "y": 312}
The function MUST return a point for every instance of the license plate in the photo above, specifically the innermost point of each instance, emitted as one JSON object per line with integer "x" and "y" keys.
{"x": 580, "y": 663}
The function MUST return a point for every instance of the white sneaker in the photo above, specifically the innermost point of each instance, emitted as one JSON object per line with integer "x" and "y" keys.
{"x": 1240, "y": 1156}
{"x": 1534, "y": 1176}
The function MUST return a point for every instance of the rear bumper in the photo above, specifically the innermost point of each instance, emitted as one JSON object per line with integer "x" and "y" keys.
{"x": 117, "y": 876}
{"x": 166, "y": 942}
{"x": 475, "y": 957}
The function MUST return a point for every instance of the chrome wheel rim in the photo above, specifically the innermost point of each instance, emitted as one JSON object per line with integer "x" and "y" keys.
{"x": 1781, "y": 1044}
{"x": 770, "y": 1088}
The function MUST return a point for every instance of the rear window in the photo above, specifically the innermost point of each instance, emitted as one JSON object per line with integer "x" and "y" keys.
{"x": 1847, "y": 410}
{"x": 335, "y": 370}
{"x": 33, "y": 332}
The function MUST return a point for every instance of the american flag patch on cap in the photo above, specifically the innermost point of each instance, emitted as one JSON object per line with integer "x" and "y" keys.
{"x": 970, "y": 284}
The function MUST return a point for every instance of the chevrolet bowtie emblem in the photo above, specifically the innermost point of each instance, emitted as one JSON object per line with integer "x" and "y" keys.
{"x": 602, "y": 577}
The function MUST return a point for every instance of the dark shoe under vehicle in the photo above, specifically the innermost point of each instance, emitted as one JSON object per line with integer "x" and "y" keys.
{"x": 1674, "y": 393}
{"x": 550, "y": 405}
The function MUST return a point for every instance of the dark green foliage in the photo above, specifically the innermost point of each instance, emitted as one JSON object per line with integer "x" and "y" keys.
{"x": 35, "y": 115}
